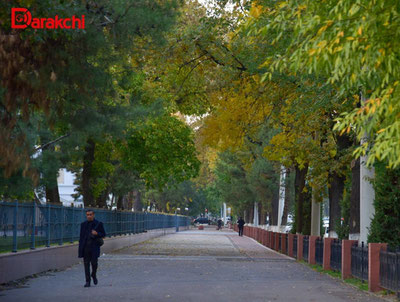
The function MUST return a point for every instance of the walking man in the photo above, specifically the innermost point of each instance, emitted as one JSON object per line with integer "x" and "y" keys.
{"x": 219, "y": 223}
{"x": 240, "y": 223}
{"x": 90, "y": 239}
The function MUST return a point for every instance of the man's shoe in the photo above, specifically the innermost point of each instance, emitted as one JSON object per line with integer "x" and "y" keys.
{"x": 87, "y": 284}
{"x": 94, "y": 280}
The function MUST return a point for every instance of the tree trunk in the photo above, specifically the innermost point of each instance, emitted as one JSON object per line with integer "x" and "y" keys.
{"x": 354, "y": 221}
{"x": 101, "y": 201}
{"x": 335, "y": 196}
{"x": 88, "y": 159}
{"x": 275, "y": 208}
{"x": 336, "y": 189}
{"x": 299, "y": 184}
{"x": 52, "y": 194}
{"x": 315, "y": 214}
{"x": 120, "y": 200}
{"x": 251, "y": 214}
{"x": 128, "y": 202}
{"x": 287, "y": 198}
{"x": 51, "y": 187}
{"x": 138, "y": 206}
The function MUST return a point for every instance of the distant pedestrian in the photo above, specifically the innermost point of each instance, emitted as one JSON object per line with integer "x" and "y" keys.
{"x": 90, "y": 240}
{"x": 241, "y": 223}
{"x": 219, "y": 223}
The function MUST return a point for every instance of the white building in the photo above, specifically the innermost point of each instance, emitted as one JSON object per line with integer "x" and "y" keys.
{"x": 66, "y": 188}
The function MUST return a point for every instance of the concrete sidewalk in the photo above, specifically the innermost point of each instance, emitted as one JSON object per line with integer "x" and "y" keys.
{"x": 191, "y": 266}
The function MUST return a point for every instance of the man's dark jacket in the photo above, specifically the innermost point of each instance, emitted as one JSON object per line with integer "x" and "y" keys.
{"x": 241, "y": 222}
{"x": 85, "y": 232}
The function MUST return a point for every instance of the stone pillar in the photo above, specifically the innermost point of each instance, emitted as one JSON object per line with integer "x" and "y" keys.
{"x": 367, "y": 192}
{"x": 282, "y": 188}
{"x": 276, "y": 242}
{"x": 300, "y": 247}
{"x": 283, "y": 244}
{"x": 311, "y": 249}
{"x": 346, "y": 257}
{"x": 327, "y": 253}
{"x": 367, "y": 196}
{"x": 290, "y": 245}
{"x": 374, "y": 265}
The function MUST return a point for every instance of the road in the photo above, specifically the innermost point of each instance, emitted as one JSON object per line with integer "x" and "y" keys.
{"x": 194, "y": 265}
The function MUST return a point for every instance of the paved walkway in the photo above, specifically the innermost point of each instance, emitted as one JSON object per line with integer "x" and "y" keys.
{"x": 191, "y": 266}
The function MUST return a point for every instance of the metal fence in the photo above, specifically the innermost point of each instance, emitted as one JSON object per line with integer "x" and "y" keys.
{"x": 359, "y": 261}
{"x": 280, "y": 242}
{"x": 306, "y": 244}
{"x": 295, "y": 246}
{"x": 336, "y": 255}
{"x": 319, "y": 251}
{"x": 390, "y": 270}
{"x": 287, "y": 244}
{"x": 29, "y": 225}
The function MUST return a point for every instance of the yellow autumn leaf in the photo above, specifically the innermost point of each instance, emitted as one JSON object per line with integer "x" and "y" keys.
{"x": 256, "y": 11}
{"x": 337, "y": 49}
{"x": 312, "y": 51}
{"x": 322, "y": 29}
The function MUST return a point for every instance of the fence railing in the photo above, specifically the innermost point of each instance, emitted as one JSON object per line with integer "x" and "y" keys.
{"x": 336, "y": 255}
{"x": 287, "y": 244}
{"x": 389, "y": 272}
{"x": 319, "y": 251}
{"x": 359, "y": 261}
{"x": 306, "y": 244}
{"x": 295, "y": 246}
{"x": 30, "y": 225}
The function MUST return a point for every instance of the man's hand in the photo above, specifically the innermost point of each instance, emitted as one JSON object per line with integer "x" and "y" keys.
{"x": 94, "y": 232}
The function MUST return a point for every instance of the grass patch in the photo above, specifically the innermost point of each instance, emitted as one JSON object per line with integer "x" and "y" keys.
{"x": 334, "y": 274}
{"x": 351, "y": 281}
{"x": 6, "y": 245}
{"x": 357, "y": 283}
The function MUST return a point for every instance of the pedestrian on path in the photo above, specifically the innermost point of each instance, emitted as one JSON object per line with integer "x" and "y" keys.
{"x": 241, "y": 223}
{"x": 90, "y": 240}
{"x": 219, "y": 223}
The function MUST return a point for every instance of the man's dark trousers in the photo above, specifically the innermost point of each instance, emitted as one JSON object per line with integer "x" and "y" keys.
{"x": 240, "y": 230}
{"x": 89, "y": 258}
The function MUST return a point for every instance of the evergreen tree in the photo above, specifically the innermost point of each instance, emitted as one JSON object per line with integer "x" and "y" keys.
{"x": 385, "y": 226}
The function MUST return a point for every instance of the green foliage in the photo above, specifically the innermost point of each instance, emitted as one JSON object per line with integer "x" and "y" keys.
{"x": 161, "y": 150}
{"x": 385, "y": 225}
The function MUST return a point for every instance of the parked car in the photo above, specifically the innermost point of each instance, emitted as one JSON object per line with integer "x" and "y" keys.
{"x": 201, "y": 220}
